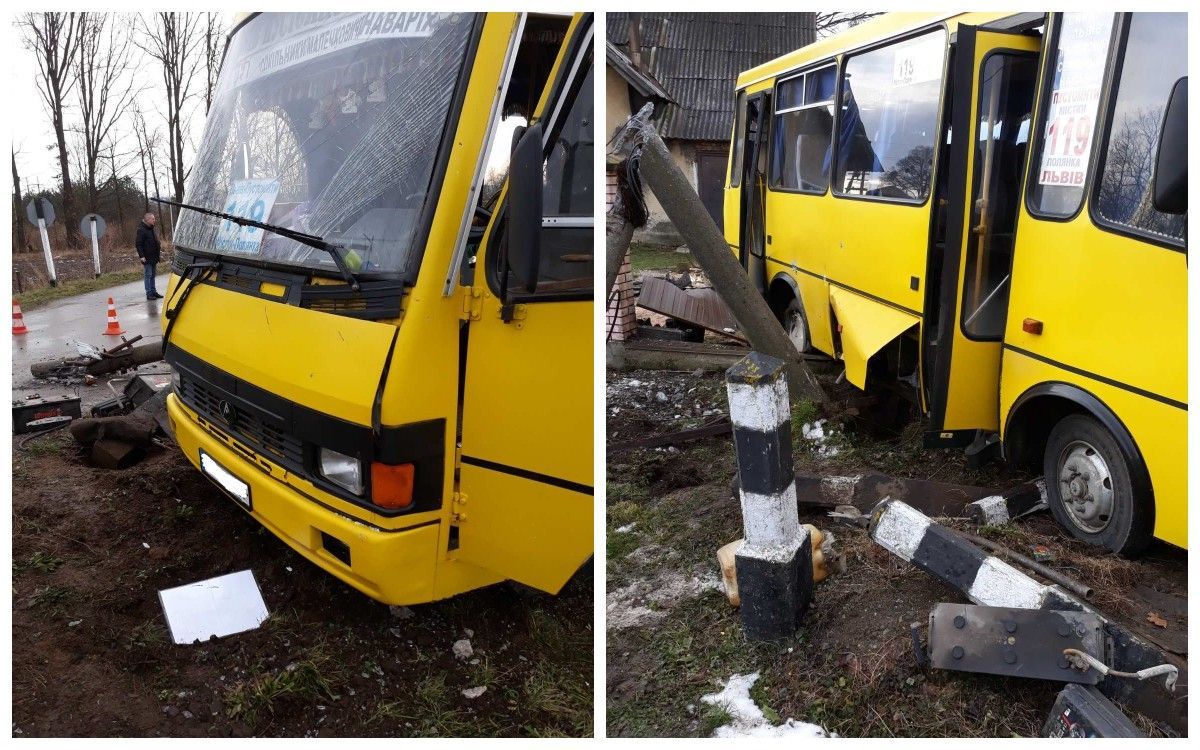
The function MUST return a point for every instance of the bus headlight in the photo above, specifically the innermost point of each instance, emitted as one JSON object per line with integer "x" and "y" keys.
{"x": 344, "y": 471}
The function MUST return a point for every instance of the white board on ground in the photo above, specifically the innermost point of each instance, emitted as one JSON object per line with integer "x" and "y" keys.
{"x": 213, "y": 608}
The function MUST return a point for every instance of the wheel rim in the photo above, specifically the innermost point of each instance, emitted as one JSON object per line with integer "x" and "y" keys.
{"x": 1085, "y": 485}
{"x": 797, "y": 331}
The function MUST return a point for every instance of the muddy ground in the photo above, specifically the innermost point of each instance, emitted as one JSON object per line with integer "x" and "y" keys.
{"x": 672, "y": 636}
{"x": 92, "y": 655}
{"x": 29, "y": 268}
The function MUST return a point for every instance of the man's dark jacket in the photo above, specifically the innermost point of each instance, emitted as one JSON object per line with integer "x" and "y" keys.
{"x": 147, "y": 245}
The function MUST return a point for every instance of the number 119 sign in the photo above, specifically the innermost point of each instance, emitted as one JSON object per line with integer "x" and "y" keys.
{"x": 252, "y": 199}
{"x": 1068, "y": 143}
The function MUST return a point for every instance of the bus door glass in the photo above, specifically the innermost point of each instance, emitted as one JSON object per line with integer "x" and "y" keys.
{"x": 753, "y": 181}
{"x": 986, "y": 167}
{"x": 524, "y": 508}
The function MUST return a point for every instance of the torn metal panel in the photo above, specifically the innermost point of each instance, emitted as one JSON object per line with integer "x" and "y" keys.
{"x": 1014, "y": 642}
{"x": 866, "y": 327}
{"x": 699, "y": 307}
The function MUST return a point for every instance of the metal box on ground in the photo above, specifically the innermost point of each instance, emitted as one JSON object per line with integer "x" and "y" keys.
{"x": 36, "y": 413}
{"x": 1081, "y": 711}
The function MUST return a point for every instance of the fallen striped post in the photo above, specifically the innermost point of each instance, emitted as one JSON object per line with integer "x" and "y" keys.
{"x": 986, "y": 579}
{"x": 774, "y": 564}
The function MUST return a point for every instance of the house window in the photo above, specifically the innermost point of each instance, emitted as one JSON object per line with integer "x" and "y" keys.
{"x": 889, "y": 119}
{"x": 803, "y": 131}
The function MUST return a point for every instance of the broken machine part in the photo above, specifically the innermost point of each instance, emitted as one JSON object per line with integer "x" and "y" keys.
{"x": 1082, "y": 711}
{"x": 1015, "y": 642}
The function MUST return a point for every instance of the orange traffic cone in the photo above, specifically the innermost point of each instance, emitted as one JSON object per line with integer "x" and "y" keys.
{"x": 114, "y": 328}
{"x": 18, "y": 319}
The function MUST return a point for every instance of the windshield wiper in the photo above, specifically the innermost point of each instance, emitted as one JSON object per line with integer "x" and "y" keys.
{"x": 337, "y": 252}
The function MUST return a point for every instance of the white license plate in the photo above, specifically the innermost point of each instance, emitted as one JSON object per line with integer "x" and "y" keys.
{"x": 236, "y": 488}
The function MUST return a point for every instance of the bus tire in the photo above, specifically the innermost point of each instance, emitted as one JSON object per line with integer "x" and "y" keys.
{"x": 795, "y": 323}
{"x": 1090, "y": 489}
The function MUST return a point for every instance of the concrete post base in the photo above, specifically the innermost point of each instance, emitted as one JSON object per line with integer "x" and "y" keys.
{"x": 776, "y": 588}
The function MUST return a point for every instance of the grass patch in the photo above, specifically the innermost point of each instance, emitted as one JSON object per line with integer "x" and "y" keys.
{"x": 55, "y": 598}
{"x": 42, "y": 562}
{"x": 644, "y": 257}
{"x": 431, "y": 713}
{"x": 309, "y": 679}
{"x": 35, "y": 298}
{"x": 48, "y": 445}
{"x": 149, "y": 634}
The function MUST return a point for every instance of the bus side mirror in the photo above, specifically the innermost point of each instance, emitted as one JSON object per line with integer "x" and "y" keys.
{"x": 1170, "y": 163}
{"x": 524, "y": 219}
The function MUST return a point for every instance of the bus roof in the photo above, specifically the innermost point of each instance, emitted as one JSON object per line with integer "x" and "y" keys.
{"x": 877, "y": 29}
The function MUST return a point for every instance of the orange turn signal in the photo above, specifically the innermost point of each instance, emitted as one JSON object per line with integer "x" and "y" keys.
{"x": 392, "y": 486}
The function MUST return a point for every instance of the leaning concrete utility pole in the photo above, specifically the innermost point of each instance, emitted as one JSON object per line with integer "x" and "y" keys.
{"x": 774, "y": 565}
{"x": 711, "y": 251}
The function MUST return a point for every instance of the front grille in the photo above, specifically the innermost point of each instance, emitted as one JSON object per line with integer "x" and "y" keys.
{"x": 243, "y": 424}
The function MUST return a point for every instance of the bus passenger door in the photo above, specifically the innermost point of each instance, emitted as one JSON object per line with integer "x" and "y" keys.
{"x": 754, "y": 187}
{"x": 524, "y": 506}
{"x": 993, "y": 85}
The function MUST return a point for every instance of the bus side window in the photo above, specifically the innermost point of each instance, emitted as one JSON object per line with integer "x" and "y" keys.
{"x": 889, "y": 119}
{"x": 566, "y": 255}
{"x": 803, "y": 131}
{"x": 1155, "y": 57}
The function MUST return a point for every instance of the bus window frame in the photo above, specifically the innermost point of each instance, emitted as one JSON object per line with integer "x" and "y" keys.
{"x": 1092, "y": 189}
{"x": 1038, "y": 131}
{"x": 569, "y": 75}
{"x": 832, "y": 62}
{"x": 738, "y": 144}
{"x": 843, "y": 59}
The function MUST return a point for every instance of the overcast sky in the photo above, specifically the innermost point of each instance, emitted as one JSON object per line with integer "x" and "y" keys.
{"x": 33, "y": 136}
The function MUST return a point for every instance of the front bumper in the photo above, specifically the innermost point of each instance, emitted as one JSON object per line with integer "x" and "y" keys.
{"x": 392, "y": 566}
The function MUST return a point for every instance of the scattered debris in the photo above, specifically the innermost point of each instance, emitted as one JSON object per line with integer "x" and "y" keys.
{"x": 214, "y": 608}
{"x": 1154, "y": 619}
{"x": 1082, "y": 711}
{"x": 462, "y": 649}
{"x": 474, "y": 692}
{"x": 747, "y": 719}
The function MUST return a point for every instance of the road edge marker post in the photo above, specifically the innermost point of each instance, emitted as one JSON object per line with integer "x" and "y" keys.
{"x": 95, "y": 247}
{"x": 41, "y": 223}
{"x": 774, "y": 563}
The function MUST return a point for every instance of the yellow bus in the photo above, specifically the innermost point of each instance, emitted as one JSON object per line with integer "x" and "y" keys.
{"x": 379, "y": 322}
{"x": 986, "y": 212}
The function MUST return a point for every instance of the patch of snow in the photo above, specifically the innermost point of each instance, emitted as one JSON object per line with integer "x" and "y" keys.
{"x": 626, "y": 528}
{"x": 746, "y": 719}
{"x": 816, "y": 432}
{"x": 462, "y": 649}
{"x": 646, "y": 601}
{"x": 474, "y": 692}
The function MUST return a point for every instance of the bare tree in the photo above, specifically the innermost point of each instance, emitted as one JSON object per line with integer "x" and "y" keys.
{"x": 147, "y": 142}
{"x": 18, "y": 235}
{"x": 831, "y": 22}
{"x": 214, "y": 55}
{"x": 54, "y": 40}
{"x": 175, "y": 40}
{"x": 103, "y": 70}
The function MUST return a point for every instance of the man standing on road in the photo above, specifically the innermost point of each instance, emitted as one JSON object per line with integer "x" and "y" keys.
{"x": 148, "y": 251}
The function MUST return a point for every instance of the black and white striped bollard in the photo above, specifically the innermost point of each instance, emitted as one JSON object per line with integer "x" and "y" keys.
{"x": 774, "y": 563}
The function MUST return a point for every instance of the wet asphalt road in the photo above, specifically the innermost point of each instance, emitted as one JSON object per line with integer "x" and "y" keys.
{"x": 54, "y": 326}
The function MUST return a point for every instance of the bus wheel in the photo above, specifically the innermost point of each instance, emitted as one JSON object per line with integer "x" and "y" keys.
{"x": 796, "y": 326}
{"x": 1089, "y": 488}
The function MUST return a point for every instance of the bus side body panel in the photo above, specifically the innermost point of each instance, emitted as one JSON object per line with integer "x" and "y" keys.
{"x": 1154, "y": 426}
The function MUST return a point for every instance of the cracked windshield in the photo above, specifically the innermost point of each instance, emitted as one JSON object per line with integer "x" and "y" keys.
{"x": 327, "y": 124}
